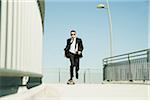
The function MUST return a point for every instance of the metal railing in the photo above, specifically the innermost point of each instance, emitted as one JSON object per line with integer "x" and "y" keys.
{"x": 134, "y": 66}
{"x": 61, "y": 75}
{"x": 11, "y": 80}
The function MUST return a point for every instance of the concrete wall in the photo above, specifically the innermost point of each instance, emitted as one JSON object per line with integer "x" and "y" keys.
{"x": 21, "y": 36}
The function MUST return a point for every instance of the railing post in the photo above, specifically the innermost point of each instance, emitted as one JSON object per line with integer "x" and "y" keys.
{"x": 130, "y": 73}
{"x": 148, "y": 61}
{"x": 59, "y": 76}
{"x": 148, "y": 55}
{"x": 84, "y": 76}
{"x": 104, "y": 72}
{"x": 105, "y": 65}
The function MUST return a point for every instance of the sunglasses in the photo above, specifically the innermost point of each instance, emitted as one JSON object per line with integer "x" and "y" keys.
{"x": 73, "y": 34}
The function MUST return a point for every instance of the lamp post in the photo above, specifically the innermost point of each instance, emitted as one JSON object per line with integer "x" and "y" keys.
{"x": 102, "y": 6}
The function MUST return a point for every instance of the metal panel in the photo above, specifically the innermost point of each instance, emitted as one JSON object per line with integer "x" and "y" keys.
{"x": 4, "y": 7}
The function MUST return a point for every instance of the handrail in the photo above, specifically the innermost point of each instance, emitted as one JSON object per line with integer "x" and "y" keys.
{"x": 128, "y": 53}
{"x": 9, "y": 72}
{"x": 119, "y": 57}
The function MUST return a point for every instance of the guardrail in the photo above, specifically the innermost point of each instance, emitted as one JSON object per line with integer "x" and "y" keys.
{"x": 61, "y": 75}
{"x": 134, "y": 66}
{"x": 11, "y": 80}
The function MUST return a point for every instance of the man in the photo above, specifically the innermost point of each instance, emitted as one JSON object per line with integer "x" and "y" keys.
{"x": 73, "y": 51}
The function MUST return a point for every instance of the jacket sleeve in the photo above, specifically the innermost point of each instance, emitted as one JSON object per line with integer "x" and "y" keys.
{"x": 67, "y": 45}
{"x": 81, "y": 46}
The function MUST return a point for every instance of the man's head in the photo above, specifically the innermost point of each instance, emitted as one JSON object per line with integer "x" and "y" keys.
{"x": 73, "y": 33}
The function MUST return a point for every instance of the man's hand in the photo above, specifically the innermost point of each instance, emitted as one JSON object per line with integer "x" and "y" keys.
{"x": 79, "y": 52}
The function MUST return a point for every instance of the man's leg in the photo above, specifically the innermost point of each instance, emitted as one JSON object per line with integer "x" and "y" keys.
{"x": 72, "y": 61}
{"x": 77, "y": 67}
{"x": 71, "y": 72}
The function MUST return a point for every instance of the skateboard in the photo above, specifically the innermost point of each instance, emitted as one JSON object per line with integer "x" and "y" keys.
{"x": 71, "y": 82}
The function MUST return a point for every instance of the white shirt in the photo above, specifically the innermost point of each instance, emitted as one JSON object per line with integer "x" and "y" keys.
{"x": 73, "y": 48}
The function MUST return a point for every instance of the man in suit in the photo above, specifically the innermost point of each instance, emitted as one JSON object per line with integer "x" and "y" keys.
{"x": 74, "y": 47}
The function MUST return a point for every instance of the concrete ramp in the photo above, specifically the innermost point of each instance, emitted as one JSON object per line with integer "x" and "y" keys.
{"x": 84, "y": 92}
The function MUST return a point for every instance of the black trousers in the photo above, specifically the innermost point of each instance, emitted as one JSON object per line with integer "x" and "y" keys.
{"x": 74, "y": 60}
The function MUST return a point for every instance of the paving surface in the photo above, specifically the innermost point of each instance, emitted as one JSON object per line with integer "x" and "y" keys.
{"x": 84, "y": 92}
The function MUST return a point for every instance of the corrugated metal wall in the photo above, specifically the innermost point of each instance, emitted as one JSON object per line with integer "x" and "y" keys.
{"x": 21, "y": 36}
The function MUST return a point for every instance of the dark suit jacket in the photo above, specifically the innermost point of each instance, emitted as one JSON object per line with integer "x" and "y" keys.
{"x": 78, "y": 41}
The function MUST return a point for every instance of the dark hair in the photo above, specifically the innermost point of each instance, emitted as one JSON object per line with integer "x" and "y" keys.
{"x": 72, "y": 31}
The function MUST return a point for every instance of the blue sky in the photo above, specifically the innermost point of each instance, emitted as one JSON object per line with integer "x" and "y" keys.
{"x": 130, "y": 29}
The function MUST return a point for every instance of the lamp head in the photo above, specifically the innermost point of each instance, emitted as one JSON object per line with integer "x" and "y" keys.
{"x": 100, "y": 6}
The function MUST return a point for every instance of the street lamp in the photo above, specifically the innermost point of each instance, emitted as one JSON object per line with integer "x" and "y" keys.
{"x": 102, "y": 6}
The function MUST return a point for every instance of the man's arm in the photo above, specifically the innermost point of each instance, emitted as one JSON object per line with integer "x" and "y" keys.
{"x": 67, "y": 45}
{"x": 81, "y": 46}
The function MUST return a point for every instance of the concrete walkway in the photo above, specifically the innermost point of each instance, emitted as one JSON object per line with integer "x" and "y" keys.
{"x": 84, "y": 92}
